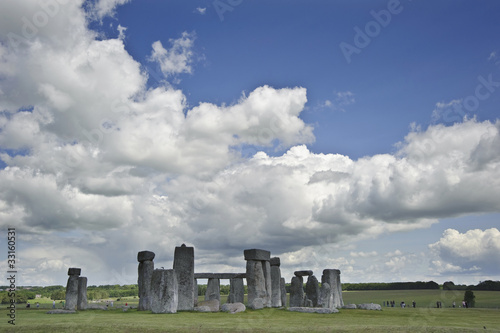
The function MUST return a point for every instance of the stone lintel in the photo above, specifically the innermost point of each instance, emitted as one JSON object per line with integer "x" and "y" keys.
{"x": 74, "y": 271}
{"x": 145, "y": 255}
{"x": 275, "y": 261}
{"x": 256, "y": 254}
{"x": 219, "y": 275}
{"x": 303, "y": 273}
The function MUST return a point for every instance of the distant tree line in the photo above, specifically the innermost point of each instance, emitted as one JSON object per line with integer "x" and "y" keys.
{"x": 487, "y": 285}
{"x": 390, "y": 286}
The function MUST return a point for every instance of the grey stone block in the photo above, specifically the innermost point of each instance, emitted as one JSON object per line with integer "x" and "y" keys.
{"x": 145, "y": 273}
{"x": 233, "y": 307}
{"x": 275, "y": 261}
{"x": 332, "y": 277}
{"x": 236, "y": 291}
{"x": 256, "y": 282}
{"x": 208, "y": 306}
{"x": 369, "y": 306}
{"x": 349, "y": 306}
{"x": 184, "y": 268}
{"x": 164, "y": 290}
{"x": 256, "y": 254}
{"x": 283, "y": 292}
{"x": 275, "y": 286}
{"x": 303, "y": 273}
{"x": 297, "y": 292}
{"x": 257, "y": 303}
{"x": 82, "y": 293}
{"x": 312, "y": 290}
{"x": 145, "y": 256}
{"x": 74, "y": 271}
{"x": 213, "y": 290}
{"x": 71, "y": 293}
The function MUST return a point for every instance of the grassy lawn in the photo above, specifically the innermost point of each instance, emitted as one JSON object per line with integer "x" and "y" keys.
{"x": 421, "y": 319}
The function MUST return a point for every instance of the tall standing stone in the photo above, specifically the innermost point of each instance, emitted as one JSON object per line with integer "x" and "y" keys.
{"x": 257, "y": 273}
{"x": 275, "y": 282}
{"x": 297, "y": 292}
{"x": 312, "y": 290}
{"x": 164, "y": 290}
{"x": 72, "y": 288}
{"x": 145, "y": 272}
{"x": 82, "y": 293}
{"x": 236, "y": 291}
{"x": 283, "y": 291}
{"x": 213, "y": 290}
{"x": 184, "y": 268}
{"x": 334, "y": 299}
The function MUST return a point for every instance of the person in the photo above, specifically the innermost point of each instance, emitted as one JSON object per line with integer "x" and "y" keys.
{"x": 414, "y": 304}
{"x": 126, "y": 304}
{"x": 111, "y": 303}
{"x": 28, "y": 305}
{"x": 37, "y": 305}
{"x": 454, "y": 304}
{"x": 53, "y": 304}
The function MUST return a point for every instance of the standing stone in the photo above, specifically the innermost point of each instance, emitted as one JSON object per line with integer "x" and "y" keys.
{"x": 164, "y": 291}
{"x": 72, "y": 289}
{"x": 145, "y": 272}
{"x": 267, "y": 275}
{"x": 236, "y": 291}
{"x": 283, "y": 291}
{"x": 213, "y": 290}
{"x": 326, "y": 297}
{"x": 332, "y": 277}
{"x": 256, "y": 284}
{"x": 195, "y": 296}
{"x": 184, "y": 268}
{"x": 297, "y": 292}
{"x": 82, "y": 293}
{"x": 275, "y": 282}
{"x": 258, "y": 275}
{"x": 312, "y": 290}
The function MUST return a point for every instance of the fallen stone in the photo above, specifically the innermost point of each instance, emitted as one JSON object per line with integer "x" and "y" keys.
{"x": 370, "y": 306}
{"x": 349, "y": 306}
{"x": 233, "y": 307}
{"x": 145, "y": 256}
{"x": 125, "y": 308}
{"x": 59, "y": 311}
{"x": 303, "y": 273}
{"x": 212, "y": 305}
{"x": 313, "y": 310}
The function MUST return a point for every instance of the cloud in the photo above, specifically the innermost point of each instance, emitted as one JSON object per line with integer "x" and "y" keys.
{"x": 341, "y": 100}
{"x": 201, "y": 11}
{"x": 473, "y": 251}
{"x": 176, "y": 60}
{"x": 102, "y": 8}
{"x": 493, "y": 56}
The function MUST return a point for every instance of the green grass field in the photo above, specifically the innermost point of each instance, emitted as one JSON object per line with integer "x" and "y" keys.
{"x": 424, "y": 318}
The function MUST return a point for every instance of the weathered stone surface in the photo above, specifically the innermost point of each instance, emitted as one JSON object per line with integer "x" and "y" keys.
{"x": 233, "y": 307}
{"x": 145, "y": 273}
{"x": 71, "y": 293}
{"x": 256, "y": 254}
{"x": 275, "y": 286}
{"x": 164, "y": 290}
{"x": 184, "y": 268}
{"x": 74, "y": 271}
{"x": 297, "y": 292}
{"x": 267, "y": 275}
{"x": 61, "y": 311}
{"x": 313, "y": 310}
{"x": 332, "y": 277}
{"x": 312, "y": 290}
{"x": 303, "y": 273}
{"x": 326, "y": 297}
{"x": 213, "y": 290}
{"x": 219, "y": 275}
{"x": 349, "y": 306}
{"x": 145, "y": 256}
{"x": 283, "y": 291}
{"x": 256, "y": 282}
{"x": 275, "y": 261}
{"x": 212, "y": 305}
{"x": 369, "y": 306}
{"x": 257, "y": 303}
{"x": 236, "y": 291}
{"x": 81, "y": 303}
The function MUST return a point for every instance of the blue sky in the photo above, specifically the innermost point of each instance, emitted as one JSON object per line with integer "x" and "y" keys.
{"x": 359, "y": 135}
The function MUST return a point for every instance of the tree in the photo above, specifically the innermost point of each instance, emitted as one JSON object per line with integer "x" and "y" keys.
{"x": 58, "y": 294}
{"x": 470, "y": 298}
{"x": 448, "y": 285}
